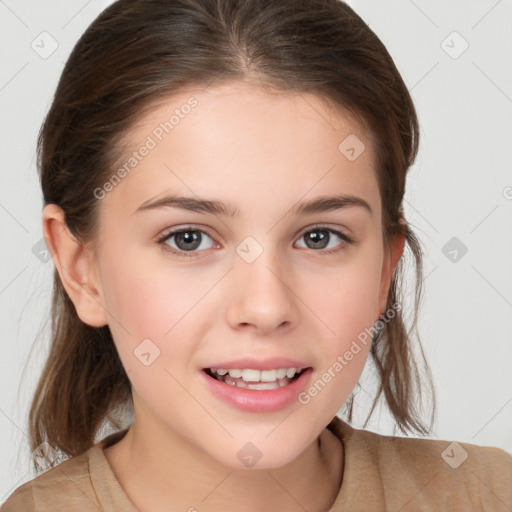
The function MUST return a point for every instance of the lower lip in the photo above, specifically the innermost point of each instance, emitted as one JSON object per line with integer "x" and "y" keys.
{"x": 252, "y": 400}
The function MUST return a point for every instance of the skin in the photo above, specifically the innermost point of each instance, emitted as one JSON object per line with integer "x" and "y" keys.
{"x": 263, "y": 152}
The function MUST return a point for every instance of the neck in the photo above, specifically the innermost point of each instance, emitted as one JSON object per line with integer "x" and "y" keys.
{"x": 162, "y": 474}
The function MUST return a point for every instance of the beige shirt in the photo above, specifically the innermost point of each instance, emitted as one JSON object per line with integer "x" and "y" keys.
{"x": 381, "y": 473}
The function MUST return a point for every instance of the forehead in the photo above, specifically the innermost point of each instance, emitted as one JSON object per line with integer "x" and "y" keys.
{"x": 243, "y": 143}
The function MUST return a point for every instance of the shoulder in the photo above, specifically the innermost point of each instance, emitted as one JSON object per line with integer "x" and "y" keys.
{"x": 419, "y": 473}
{"x": 456, "y": 473}
{"x": 67, "y": 486}
{"x": 452, "y": 457}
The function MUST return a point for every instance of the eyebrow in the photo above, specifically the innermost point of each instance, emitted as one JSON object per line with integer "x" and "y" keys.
{"x": 215, "y": 207}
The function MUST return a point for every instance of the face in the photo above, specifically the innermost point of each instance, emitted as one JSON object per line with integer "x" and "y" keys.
{"x": 264, "y": 285}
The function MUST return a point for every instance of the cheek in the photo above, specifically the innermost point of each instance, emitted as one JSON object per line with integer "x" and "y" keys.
{"x": 152, "y": 332}
{"x": 149, "y": 309}
{"x": 346, "y": 300}
{"x": 347, "y": 306}
{"x": 146, "y": 297}
{"x": 344, "y": 351}
{"x": 140, "y": 304}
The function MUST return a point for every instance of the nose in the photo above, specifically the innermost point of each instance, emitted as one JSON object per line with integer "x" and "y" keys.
{"x": 263, "y": 296}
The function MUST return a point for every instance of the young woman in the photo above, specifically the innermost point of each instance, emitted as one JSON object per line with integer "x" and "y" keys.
{"x": 223, "y": 184}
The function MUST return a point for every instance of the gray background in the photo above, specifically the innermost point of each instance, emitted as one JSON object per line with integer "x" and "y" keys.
{"x": 460, "y": 186}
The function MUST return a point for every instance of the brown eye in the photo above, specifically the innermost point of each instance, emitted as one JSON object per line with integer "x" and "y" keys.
{"x": 185, "y": 240}
{"x": 321, "y": 237}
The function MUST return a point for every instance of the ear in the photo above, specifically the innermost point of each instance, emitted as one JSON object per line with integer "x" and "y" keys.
{"x": 76, "y": 267}
{"x": 391, "y": 259}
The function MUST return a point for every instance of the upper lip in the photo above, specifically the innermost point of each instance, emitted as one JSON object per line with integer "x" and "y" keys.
{"x": 260, "y": 364}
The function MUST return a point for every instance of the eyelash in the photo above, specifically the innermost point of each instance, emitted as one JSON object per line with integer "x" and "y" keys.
{"x": 346, "y": 240}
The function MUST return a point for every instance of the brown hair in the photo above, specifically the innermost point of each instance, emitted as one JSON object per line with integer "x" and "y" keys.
{"x": 136, "y": 54}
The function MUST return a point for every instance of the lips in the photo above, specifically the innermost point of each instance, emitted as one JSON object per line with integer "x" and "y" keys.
{"x": 260, "y": 399}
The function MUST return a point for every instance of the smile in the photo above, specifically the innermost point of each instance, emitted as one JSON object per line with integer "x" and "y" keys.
{"x": 260, "y": 391}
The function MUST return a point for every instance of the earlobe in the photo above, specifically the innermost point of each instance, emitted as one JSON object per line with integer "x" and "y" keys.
{"x": 391, "y": 260}
{"x": 75, "y": 266}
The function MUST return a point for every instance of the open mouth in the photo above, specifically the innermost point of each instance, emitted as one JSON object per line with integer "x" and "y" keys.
{"x": 255, "y": 379}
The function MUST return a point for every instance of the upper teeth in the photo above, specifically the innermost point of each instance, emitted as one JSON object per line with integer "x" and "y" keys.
{"x": 250, "y": 375}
